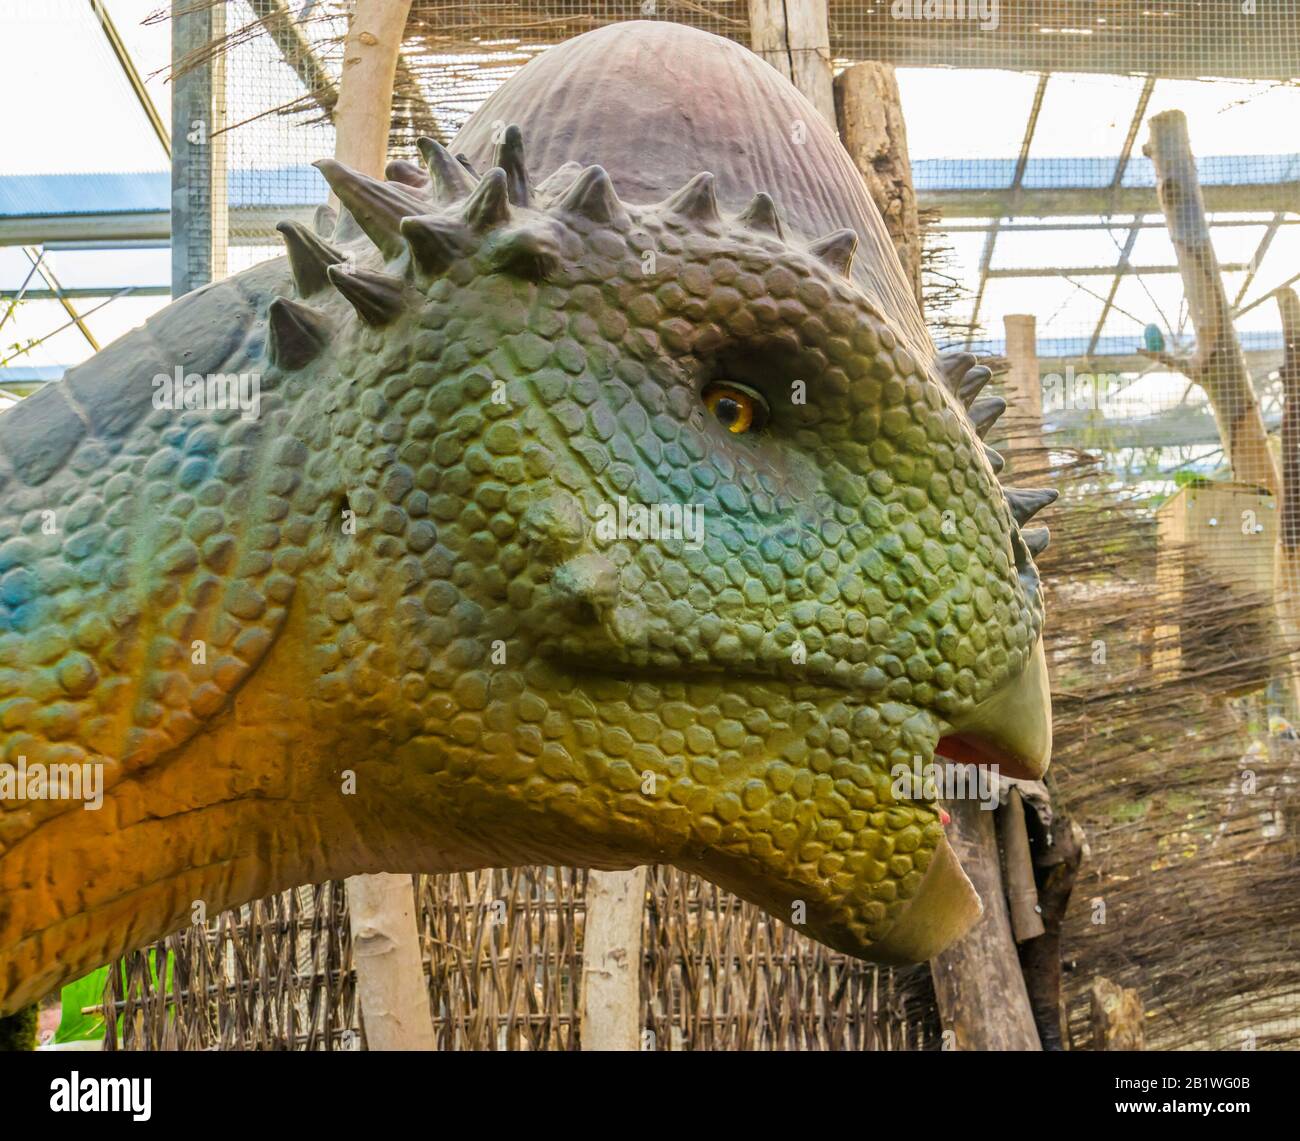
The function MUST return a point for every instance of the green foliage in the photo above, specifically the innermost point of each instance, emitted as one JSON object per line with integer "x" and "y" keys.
{"x": 74, "y": 1026}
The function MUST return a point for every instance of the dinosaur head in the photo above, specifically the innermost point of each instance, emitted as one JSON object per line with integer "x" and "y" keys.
{"x": 603, "y": 520}
{"x": 716, "y": 557}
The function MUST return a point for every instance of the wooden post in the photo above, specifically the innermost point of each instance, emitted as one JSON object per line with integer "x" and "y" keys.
{"x": 1022, "y": 891}
{"x": 983, "y": 1002}
{"x": 1057, "y": 866}
{"x": 794, "y": 37}
{"x": 611, "y": 960}
{"x": 981, "y": 991}
{"x": 1022, "y": 386}
{"x": 1218, "y": 366}
{"x": 363, "y": 113}
{"x": 386, "y": 941}
{"x": 1117, "y": 1017}
{"x": 869, "y": 111}
{"x": 390, "y": 969}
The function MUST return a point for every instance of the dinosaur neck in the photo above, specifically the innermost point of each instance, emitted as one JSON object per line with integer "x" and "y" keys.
{"x": 234, "y": 815}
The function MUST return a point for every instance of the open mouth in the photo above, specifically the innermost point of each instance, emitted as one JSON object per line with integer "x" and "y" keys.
{"x": 1011, "y": 731}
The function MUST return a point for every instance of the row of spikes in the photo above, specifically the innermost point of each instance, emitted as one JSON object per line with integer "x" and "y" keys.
{"x": 394, "y": 215}
{"x": 966, "y": 378}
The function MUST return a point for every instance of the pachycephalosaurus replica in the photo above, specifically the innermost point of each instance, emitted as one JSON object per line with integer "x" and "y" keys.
{"x": 597, "y": 515}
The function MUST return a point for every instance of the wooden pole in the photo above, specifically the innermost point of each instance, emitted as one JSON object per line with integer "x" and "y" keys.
{"x": 794, "y": 37}
{"x": 363, "y": 113}
{"x": 386, "y": 942}
{"x": 869, "y": 111}
{"x": 1022, "y": 891}
{"x": 611, "y": 960}
{"x": 981, "y": 994}
{"x": 390, "y": 969}
{"x": 1040, "y": 959}
{"x": 1218, "y": 366}
{"x": 1022, "y": 386}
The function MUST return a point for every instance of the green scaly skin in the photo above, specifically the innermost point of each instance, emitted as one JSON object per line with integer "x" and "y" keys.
{"x": 473, "y": 678}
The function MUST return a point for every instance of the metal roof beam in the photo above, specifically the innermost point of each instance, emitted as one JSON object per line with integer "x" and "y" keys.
{"x": 132, "y": 73}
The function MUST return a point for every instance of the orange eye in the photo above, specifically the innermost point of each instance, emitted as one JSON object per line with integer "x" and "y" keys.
{"x": 737, "y": 409}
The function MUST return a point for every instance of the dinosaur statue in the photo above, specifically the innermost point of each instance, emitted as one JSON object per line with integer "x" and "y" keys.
{"x": 616, "y": 516}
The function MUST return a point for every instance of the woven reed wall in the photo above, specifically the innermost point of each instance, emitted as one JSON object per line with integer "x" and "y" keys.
{"x": 503, "y": 955}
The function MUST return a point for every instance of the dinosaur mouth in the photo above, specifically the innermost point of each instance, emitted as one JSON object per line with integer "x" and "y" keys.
{"x": 1010, "y": 731}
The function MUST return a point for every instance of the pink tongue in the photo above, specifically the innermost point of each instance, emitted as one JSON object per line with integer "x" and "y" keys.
{"x": 944, "y": 818}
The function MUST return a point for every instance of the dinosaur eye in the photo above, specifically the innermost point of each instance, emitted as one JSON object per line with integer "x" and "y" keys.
{"x": 738, "y": 409}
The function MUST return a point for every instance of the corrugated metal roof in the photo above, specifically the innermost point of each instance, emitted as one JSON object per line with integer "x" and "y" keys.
{"x": 1091, "y": 173}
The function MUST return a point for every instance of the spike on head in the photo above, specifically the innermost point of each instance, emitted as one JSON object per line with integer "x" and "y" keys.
{"x": 346, "y": 229}
{"x": 296, "y": 333}
{"x": 1036, "y": 539}
{"x": 509, "y": 156}
{"x": 468, "y": 166}
{"x": 1025, "y": 503}
{"x": 309, "y": 257}
{"x": 377, "y": 297}
{"x": 378, "y": 207}
{"x": 761, "y": 215}
{"x": 836, "y": 250}
{"x": 954, "y": 366}
{"x": 407, "y": 173}
{"x": 559, "y": 180}
{"x": 435, "y": 241}
{"x": 325, "y": 221}
{"x": 529, "y": 253}
{"x": 696, "y": 201}
{"x": 984, "y": 414}
{"x": 451, "y": 182}
{"x": 973, "y": 383}
{"x": 489, "y": 205}
{"x": 592, "y": 196}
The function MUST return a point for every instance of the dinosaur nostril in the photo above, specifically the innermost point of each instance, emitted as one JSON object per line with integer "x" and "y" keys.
{"x": 554, "y": 526}
{"x": 586, "y": 586}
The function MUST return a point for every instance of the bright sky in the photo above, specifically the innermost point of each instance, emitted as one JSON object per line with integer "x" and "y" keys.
{"x": 68, "y": 108}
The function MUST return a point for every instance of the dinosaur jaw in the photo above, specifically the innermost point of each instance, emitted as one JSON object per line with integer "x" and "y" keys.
{"x": 1012, "y": 730}
{"x": 946, "y": 906}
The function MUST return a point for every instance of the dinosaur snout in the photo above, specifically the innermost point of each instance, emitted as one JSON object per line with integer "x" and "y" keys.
{"x": 586, "y": 587}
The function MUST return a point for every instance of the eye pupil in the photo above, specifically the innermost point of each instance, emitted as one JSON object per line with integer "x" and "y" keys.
{"x": 736, "y": 409}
